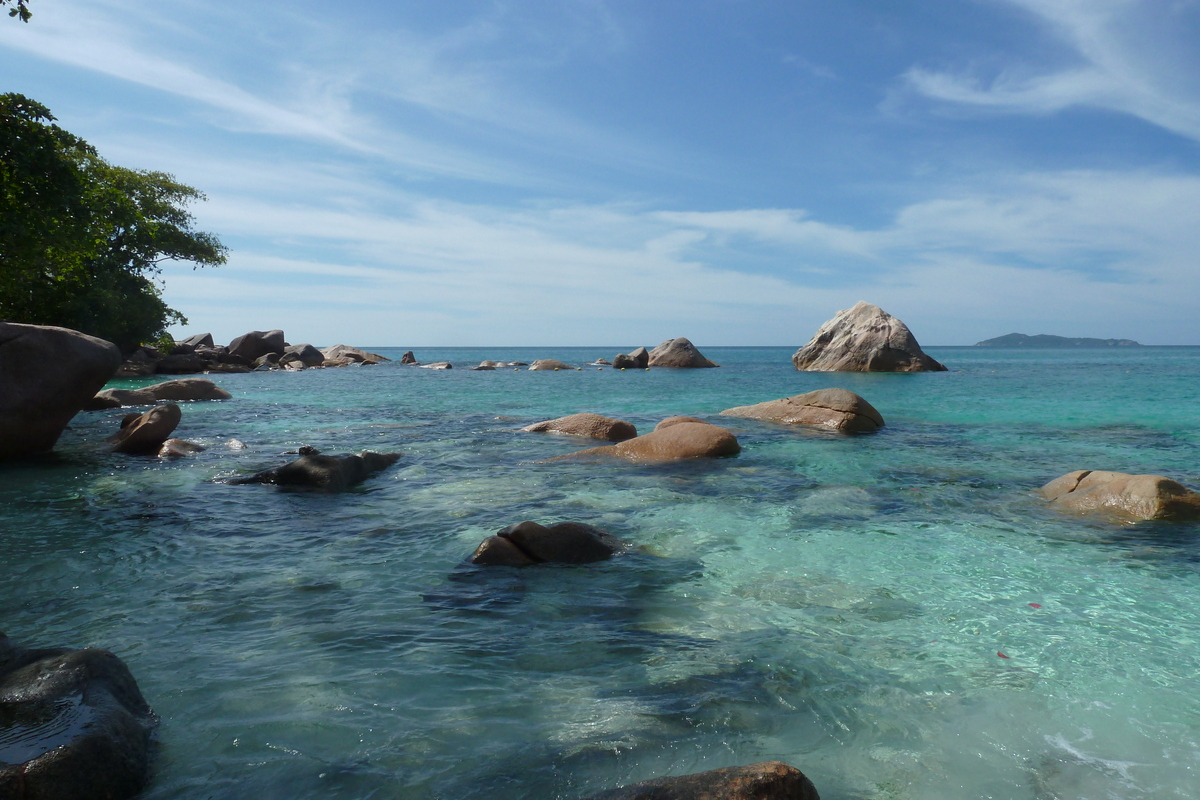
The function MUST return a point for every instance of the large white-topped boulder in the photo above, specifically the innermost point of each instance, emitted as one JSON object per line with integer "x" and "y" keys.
{"x": 864, "y": 339}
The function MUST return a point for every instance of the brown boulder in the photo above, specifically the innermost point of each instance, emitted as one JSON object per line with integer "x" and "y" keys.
{"x": 1120, "y": 494}
{"x": 550, "y": 364}
{"x": 591, "y": 425}
{"x": 187, "y": 389}
{"x": 669, "y": 421}
{"x": 529, "y": 543}
{"x": 408, "y": 357}
{"x": 146, "y": 433}
{"x": 344, "y": 351}
{"x": 46, "y": 376}
{"x": 679, "y": 354}
{"x": 675, "y": 442}
{"x": 864, "y": 339}
{"x": 830, "y": 408}
{"x": 308, "y": 355}
{"x": 73, "y": 725}
{"x": 766, "y": 780}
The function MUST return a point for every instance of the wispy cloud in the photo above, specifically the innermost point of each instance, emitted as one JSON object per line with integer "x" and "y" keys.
{"x": 1128, "y": 58}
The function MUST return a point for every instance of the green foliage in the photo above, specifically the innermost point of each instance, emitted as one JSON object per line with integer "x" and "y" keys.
{"x": 82, "y": 240}
{"x": 21, "y": 11}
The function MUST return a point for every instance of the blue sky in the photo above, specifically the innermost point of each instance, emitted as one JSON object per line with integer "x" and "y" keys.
{"x": 603, "y": 172}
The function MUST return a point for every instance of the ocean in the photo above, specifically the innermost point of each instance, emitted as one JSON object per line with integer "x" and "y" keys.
{"x": 899, "y": 615}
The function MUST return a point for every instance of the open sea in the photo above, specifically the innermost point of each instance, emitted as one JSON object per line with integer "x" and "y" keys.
{"x": 899, "y": 615}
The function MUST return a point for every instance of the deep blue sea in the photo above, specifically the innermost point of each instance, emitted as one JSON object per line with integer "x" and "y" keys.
{"x": 836, "y": 602}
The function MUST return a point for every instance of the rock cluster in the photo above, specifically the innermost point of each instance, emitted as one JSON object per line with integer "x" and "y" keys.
{"x": 528, "y": 543}
{"x": 593, "y": 426}
{"x": 1137, "y": 497}
{"x": 46, "y": 376}
{"x": 830, "y": 408}
{"x": 864, "y": 339}
{"x": 252, "y": 350}
{"x": 73, "y": 725}
{"x": 766, "y": 780}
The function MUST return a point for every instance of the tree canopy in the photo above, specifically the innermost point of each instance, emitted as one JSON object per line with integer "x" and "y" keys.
{"x": 82, "y": 240}
{"x": 20, "y": 10}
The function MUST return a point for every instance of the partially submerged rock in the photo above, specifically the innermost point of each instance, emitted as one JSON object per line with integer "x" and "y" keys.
{"x": 864, "y": 339}
{"x": 528, "y": 543}
{"x": 437, "y": 365}
{"x": 679, "y": 354}
{"x": 73, "y": 725}
{"x": 46, "y": 376}
{"x": 145, "y": 433}
{"x": 683, "y": 440}
{"x": 183, "y": 389}
{"x": 550, "y": 364}
{"x": 306, "y": 354}
{"x": 669, "y": 421}
{"x": 178, "y": 448}
{"x": 830, "y": 408}
{"x": 593, "y": 426}
{"x": 1139, "y": 497}
{"x": 326, "y": 473}
{"x": 408, "y": 357}
{"x": 766, "y": 780}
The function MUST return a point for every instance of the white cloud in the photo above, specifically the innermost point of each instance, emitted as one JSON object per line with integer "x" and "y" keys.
{"x": 1131, "y": 57}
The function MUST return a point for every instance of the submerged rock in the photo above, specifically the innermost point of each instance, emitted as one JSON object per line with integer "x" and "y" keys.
{"x": 46, "y": 376}
{"x": 73, "y": 725}
{"x": 864, "y": 339}
{"x": 829, "y": 408}
{"x": 682, "y": 440}
{"x": 146, "y": 433}
{"x": 1139, "y": 497}
{"x": 766, "y": 780}
{"x": 528, "y": 543}
{"x": 326, "y": 473}
{"x": 591, "y": 425}
{"x": 680, "y": 354}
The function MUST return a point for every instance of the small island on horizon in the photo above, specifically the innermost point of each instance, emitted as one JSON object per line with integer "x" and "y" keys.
{"x": 1046, "y": 340}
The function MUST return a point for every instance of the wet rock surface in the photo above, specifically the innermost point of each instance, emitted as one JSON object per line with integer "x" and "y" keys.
{"x": 73, "y": 725}
{"x": 864, "y": 338}
{"x": 766, "y": 780}
{"x": 593, "y": 426}
{"x": 528, "y": 543}
{"x": 1136, "y": 497}
{"x": 324, "y": 473}
{"x": 837, "y": 409}
{"x": 146, "y": 433}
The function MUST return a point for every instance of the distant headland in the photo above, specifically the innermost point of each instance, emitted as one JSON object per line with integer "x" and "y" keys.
{"x": 1045, "y": 340}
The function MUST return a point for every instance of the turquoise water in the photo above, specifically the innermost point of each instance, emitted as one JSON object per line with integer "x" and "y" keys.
{"x": 835, "y": 602}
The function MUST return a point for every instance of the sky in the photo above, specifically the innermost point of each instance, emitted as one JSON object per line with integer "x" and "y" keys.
{"x": 620, "y": 172}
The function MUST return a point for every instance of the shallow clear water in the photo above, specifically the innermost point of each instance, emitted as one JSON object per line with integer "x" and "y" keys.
{"x": 835, "y": 602}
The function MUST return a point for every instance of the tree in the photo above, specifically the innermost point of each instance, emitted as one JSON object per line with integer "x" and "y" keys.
{"x": 82, "y": 241}
{"x": 21, "y": 10}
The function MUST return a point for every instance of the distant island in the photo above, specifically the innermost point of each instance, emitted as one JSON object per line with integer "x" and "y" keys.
{"x": 1045, "y": 340}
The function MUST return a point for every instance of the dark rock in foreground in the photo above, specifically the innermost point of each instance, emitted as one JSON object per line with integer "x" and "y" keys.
{"x": 528, "y": 543}
{"x": 593, "y": 426}
{"x": 830, "y": 408}
{"x": 46, "y": 376}
{"x": 1139, "y": 497}
{"x": 679, "y": 354}
{"x": 683, "y": 440}
{"x": 73, "y": 725}
{"x": 1046, "y": 340}
{"x": 325, "y": 473}
{"x": 766, "y": 780}
{"x": 864, "y": 339}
